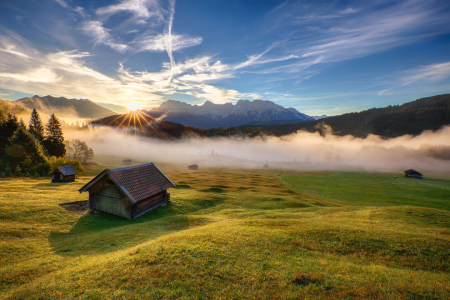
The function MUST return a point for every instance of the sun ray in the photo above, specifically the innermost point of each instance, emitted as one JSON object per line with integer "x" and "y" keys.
{"x": 153, "y": 128}
{"x": 128, "y": 126}
{"x": 121, "y": 122}
{"x": 140, "y": 122}
{"x": 115, "y": 119}
{"x": 134, "y": 117}
{"x": 154, "y": 119}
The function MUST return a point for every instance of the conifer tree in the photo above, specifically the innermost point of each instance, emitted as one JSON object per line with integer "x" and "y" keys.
{"x": 35, "y": 126}
{"x": 7, "y": 129}
{"x": 54, "y": 138}
{"x": 25, "y": 148}
{"x": 21, "y": 123}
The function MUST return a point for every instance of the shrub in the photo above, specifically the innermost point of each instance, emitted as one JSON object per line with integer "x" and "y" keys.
{"x": 43, "y": 168}
{"x": 64, "y": 161}
{"x": 18, "y": 171}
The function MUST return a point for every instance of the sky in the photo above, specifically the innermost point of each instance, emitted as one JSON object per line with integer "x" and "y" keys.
{"x": 320, "y": 57}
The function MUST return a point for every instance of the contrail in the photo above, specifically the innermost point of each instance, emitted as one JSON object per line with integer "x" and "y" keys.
{"x": 168, "y": 37}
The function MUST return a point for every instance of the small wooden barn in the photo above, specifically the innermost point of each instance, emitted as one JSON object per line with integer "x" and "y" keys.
{"x": 128, "y": 192}
{"x": 193, "y": 167}
{"x": 413, "y": 174}
{"x": 64, "y": 174}
{"x": 127, "y": 162}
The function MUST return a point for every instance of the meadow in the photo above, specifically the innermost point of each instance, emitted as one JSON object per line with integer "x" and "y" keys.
{"x": 232, "y": 234}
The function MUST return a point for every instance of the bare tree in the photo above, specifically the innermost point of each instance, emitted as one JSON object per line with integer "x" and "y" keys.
{"x": 79, "y": 150}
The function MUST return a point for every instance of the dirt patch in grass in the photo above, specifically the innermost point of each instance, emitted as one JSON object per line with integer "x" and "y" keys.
{"x": 308, "y": 278}
{"x": 77, "y": 207}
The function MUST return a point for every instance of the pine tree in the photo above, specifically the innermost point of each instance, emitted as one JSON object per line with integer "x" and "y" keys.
{"x": 7, "y": 170}
{"x": 54, "y": 139}
{"x": 7, "y": 129}
{"x": 25, "y": 146}
{"x": 21, "y": 123}
{"x": 36, "y": 127}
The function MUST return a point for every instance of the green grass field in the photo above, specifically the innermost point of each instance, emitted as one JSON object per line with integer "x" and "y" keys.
{"x": 232, "y": 234}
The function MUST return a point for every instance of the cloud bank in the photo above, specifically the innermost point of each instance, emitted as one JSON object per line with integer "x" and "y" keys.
{"x": 299, "y": 151}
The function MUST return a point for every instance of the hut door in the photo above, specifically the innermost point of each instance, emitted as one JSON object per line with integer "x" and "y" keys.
{"x": 56, "y": 177}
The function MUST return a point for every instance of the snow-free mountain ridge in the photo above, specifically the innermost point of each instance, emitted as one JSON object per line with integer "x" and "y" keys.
{"x": 210, "y": 115}
{"x": 65, "y": 108}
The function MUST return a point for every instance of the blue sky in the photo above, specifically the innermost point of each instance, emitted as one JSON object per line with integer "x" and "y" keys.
{"x": 321, "y": 57}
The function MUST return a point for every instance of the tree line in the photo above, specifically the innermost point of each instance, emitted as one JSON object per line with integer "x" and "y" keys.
{"x": 35, "y": 150}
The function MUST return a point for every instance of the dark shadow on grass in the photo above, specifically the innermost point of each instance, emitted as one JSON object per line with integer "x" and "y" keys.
{"x": 54, "y": 184}
{"x": 213, "y": 190}
{"x": 182, "y": 186}
{"x": 97, "y": 232}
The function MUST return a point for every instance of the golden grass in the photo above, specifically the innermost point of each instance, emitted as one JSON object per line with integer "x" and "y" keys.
{"x": 226, "y": 234}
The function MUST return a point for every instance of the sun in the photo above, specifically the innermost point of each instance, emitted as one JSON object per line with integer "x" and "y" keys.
{"x": 133, "y": 105}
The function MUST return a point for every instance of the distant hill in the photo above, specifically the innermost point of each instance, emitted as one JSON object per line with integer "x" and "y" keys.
{"x": 270, "y": 123}
{"x": 319, "y": 117}
{"x": 429, "y": 113}
{"x": 211, "y": 115}
{"x": 147, "y": 126}
{"x": 12, "y": 107}
{"x": 65, "y": 108}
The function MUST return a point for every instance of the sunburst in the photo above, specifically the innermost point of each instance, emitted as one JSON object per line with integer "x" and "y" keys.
{"x": 138, "y": 120}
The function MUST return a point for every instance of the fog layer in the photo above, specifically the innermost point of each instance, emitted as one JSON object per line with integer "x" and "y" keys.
{"x": 302, "y": 151}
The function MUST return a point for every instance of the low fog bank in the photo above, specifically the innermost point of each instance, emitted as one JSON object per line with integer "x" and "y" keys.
{"x": 428, "y": 152}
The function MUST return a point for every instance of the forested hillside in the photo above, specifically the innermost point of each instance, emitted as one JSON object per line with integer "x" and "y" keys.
{"x": 429, "y": 113}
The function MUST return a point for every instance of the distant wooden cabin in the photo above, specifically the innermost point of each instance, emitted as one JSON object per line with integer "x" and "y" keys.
{"x": 64, "y": 174}
{"x": 413, "y": 174}
{"x": 266, "y": 166}
{"x": 127, "y": 162}
{"x": 128, "y": 192}
{"x": 193, "y": 167}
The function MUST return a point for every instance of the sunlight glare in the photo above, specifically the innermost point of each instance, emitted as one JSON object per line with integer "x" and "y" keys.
{"x": 133, "y": 105}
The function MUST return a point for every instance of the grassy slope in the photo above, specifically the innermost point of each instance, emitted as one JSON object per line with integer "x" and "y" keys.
{"x": 227, "y": 234}
{"x": 366, "y": 189}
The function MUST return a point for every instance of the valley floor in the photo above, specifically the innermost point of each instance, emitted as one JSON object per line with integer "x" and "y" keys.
{"x": 232, "y": 234}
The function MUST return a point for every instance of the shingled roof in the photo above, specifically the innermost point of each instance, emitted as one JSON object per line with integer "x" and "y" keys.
{"x": 137, "y": 182}
{"x": 66, "y": 170}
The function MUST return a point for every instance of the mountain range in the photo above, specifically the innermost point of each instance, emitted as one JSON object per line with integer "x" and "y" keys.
{"x": 211, "y": 115}
{"x": 65, "y": 108}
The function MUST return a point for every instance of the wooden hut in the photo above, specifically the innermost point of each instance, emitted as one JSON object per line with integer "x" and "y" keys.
{"x": 128, "y": 192}
{"x": 266, "y": 166}
{"x": 127, "y": 162}
{"x": 64, "y": 174}
{"x": 413, "y": 174}
{"x": 193, "y": 167}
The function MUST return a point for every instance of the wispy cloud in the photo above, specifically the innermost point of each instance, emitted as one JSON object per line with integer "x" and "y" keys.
{"x": 355, "y": 32}
{"x": 139, "y": 9}
{"x": 158, "y": 43}
{"x": 168, "y": 35}
{"x": 11, "y": 49}
{"x": 62, "y": 3}
{"x": 101, "y": 35}
{"x": 218, "y": 95}
{"x": 419, "y": 75}
{"x": 65, "y": 73}
{"x": 433, "y": 72}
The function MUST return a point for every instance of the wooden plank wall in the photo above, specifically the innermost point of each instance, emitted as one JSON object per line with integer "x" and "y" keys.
{"x": 105, "y": 196}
